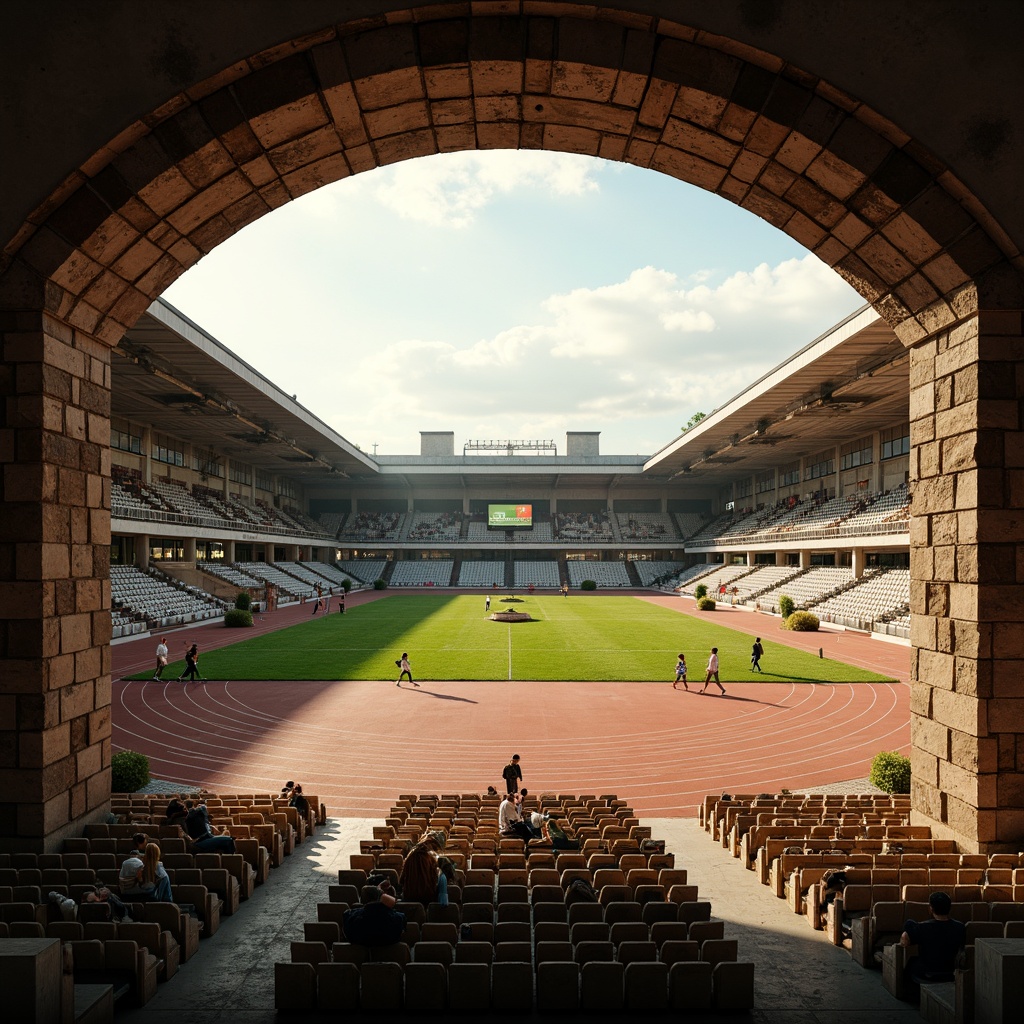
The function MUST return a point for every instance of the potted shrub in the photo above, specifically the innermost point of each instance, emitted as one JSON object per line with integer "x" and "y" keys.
{"x": 786, "y": 606}
{"x": 700, "y": 591}
{"x": 588, "y": 585}
{"x": 237, "y": 618}
{"x": 706, "y": 604}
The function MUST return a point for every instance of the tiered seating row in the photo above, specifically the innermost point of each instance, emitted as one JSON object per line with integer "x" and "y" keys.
{"x": 604, "y": 574}
{"x": 432, "y": 572}
{"x": 133, "y": 956}
{"x": 647, "y": 942}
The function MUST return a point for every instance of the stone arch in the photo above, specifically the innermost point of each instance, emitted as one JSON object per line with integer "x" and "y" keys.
{"x": 786, "y": 145}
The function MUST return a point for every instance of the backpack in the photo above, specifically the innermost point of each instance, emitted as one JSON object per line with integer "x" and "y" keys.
{"x": 580, "y": 891}
{"x": 508, "y": 773}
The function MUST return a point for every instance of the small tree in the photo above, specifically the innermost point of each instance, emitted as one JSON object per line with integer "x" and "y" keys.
{"x": 786, "y": 606}
{"x": 243, "y": 602}
{"x": 588, "y": 585}
{"x": 700, "y": 591}
{"x": 380, "y": 584}
{"x": 237, "y": 617}
{"x": 129, "y": 771}
{"x": 346, "y": 584}
{"x": 890, "y": 771}
{"x": 706, "y": 604}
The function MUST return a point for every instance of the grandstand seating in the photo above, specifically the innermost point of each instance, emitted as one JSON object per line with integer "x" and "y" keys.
{"x": 435, "y": 527}
{"x": 647, "y": 943}
{"x": 587, "y": 527}
{"x": 232, "y": 574}
{"x": 808, "y": 588}
{"x": 365, "y": 570}
{"x": 889, "y": 507}
{"x": 331, "y": 522}
{"x": 285, "y": 584}
{"x": 422, "y": 572}
{"x": 885, "y": 592}
{"x": 652, "y": 569}
{"x": 762, "y": 579}
{"x": 604, "y": 574}
{"x": 373, "y": 526}
{"x": 689, "y": 523}
{"x": 482, "y": 574}
{"x": 722, "y": 574}
{"x": 542, "y": 575}
{"x": 646, "y": 526}
{"x": 333, "y": 575}
{"x": 888, "y": 868}
{"x": 130, "y": 958}
{"x": 141, "y": 601}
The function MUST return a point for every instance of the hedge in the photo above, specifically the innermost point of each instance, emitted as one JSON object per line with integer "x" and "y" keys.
{"x": 890, "y": 771}
{"x": 129, "y": 771}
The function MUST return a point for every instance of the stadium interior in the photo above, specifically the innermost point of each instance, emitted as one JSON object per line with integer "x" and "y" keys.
{"x": 149, "y": 474}
{"x": 219, "y": 480}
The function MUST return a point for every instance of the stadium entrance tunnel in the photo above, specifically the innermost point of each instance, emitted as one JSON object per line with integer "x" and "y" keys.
{"x": 131, "y": 163}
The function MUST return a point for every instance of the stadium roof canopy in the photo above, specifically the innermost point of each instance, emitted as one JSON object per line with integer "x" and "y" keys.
{"x": 847, "y": 383}
{"x": 168, "y": 372}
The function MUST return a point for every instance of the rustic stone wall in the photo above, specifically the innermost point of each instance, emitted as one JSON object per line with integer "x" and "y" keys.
{"x": 54, "y": 579}
{"x": 111, "y": 230}
{"x": 967, "y": 566}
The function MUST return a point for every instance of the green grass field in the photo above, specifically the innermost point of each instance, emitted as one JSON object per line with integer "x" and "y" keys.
{"x": 598, "y": 638}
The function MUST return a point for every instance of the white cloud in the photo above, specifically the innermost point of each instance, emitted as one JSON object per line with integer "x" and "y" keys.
{"x": 617, "y": 356}
{"x": 452, "y": 189}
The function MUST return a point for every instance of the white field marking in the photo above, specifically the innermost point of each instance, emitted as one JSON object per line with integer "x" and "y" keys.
{"x": 510, "y": 651}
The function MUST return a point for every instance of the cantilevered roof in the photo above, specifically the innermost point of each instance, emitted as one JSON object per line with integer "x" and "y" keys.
{"x": 849, "y": 382}
{"x": 170, "y": 373}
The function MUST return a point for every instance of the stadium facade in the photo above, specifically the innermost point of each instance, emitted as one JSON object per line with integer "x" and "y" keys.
{"x": 889, "y": 146}
{"x": 213, "y": 463}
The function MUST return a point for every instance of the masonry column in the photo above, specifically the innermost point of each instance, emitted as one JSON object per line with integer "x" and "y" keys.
{"x": 54, "y": 581}
{"x": 967, "y": 566}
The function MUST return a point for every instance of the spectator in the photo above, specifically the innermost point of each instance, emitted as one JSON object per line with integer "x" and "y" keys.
{"x": 938, "y": 941}
{"x": 197, "y": 825}
{"x": 155, "y": 874}
{"x": 176, "y": 812}
{"x": 299, "y": 802}
{"x": 374, "y": 922}
{"x": 511, "y": 825}
{"x": 512, "y": 774}
{"x": 131, "y": 880}
{"x": 422, "y": 879}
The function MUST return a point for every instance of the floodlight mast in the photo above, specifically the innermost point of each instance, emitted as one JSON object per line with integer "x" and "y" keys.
{"x": 510, "y": 447}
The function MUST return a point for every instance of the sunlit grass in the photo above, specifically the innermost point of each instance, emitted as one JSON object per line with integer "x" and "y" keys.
{"x": 447, "y": 637}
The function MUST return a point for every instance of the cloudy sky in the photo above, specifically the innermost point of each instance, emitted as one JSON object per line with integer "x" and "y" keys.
{"x": 512, "y": 294}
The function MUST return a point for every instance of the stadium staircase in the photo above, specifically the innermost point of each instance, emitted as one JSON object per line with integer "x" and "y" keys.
{"x": 634, "y": 576}
{"x": 389, "y": 569}
{"x": 613, "y": 521}
{"x": 403, "y": 533}
{"x": 510, "y": 572}
{"x": 453, "y": 580}
{"x": 464, "y": 527}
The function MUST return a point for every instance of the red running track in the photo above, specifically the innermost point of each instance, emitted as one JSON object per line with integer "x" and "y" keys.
{"x": 359, "y": 743}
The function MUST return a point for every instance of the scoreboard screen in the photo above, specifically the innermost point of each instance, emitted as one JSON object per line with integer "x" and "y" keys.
{"x": 504, "y": 517}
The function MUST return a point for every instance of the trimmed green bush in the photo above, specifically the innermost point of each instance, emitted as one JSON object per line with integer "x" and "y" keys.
{"x": 706, "y": 604}
{"x": 786, "y": 606}
{"x": 346, "y": 584}
{"x": 588, "y": 585}
{"x": 379, "y": 584}
{"x": 801, "y": 622}
{"x": 129, "y": 771}
{"x": 237, "y": 617}
{"x": 890, "y": 772}
{"x": 243, "y": 602}
{"x": 700, "y": 591}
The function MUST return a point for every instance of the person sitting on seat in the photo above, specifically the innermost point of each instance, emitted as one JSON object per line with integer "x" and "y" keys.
{"x": 155, "y": 874}
{"x": 299, "y": 802}
{"x": 422, "y": 879}
{"x": 938, "y": 941}
{"x": 511, "y": 825}
{"x": 374, "y": 922}
{"x": 131, "y": 880}
{"x": 200, "y": 831}
{"x": 176, "y": 812}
